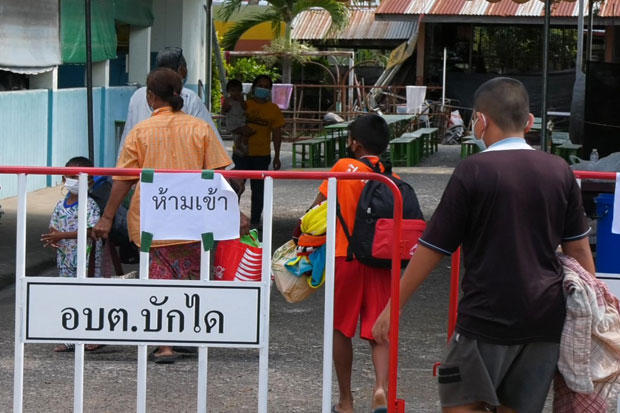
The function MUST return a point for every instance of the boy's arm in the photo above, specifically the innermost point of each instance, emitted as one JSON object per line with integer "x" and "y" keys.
{"x": 120, "y": 189}
{"x": 580, "y": 250}
{"x": 424, "y": 260}
{"x": 319, "y": 198}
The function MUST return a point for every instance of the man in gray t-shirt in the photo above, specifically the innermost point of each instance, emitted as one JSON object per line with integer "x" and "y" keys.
{"x": 510, "y": 207}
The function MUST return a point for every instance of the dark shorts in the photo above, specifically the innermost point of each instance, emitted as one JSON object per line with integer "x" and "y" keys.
{"x": 515, "y": 376}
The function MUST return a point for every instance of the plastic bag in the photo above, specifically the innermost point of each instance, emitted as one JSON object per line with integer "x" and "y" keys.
{"x": 455, "y": 130}
{"x": 293, "y": 288}
{"x": 239, "y": 259}
{"x": 610, "y": 163}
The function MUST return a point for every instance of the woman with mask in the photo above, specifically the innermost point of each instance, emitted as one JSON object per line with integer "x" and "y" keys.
{"x": 264, "y": 117}
{"x": 169, "y": 139}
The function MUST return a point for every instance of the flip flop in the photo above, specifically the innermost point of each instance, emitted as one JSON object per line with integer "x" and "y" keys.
{"x": 185, "y": 350}
{"x": 381, "y": 409}
{"x": 65, "y": 348}
{"x": 93, "y": 347}
{"x": 163, "y": 359}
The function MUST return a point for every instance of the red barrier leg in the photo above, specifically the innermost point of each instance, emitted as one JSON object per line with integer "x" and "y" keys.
{"x": 454, "y": 292}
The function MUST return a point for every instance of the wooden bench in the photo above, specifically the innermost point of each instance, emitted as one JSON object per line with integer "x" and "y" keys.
{"x": 565, "y": 150}
{"x": 312, "y": 152}
{"x": 559, "y": 138}
{"x": 315, "y": 152}
{"x": 430, "y": 137}
{"x": 469, "y": 147}
{"x": 404, "y": 150}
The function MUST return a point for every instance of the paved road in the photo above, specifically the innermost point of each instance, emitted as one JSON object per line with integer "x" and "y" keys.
{"x": 296, "y": 351}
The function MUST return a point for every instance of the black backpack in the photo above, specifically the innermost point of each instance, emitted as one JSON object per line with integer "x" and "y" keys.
{"x": 373, "y": 236}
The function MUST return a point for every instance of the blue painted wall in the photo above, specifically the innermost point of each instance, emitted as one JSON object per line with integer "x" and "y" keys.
{"x": 23, "y": 135}
{"x": 116, "y": 105}
{"x": 45, "y": 128}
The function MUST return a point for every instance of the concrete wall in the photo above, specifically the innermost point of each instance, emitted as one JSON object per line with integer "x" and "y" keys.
{"x": 23, "y": 135}
{"x": 167, "y": 29}
{"x": 47, "y": 128}
{"x": 194, "y": 36}
{"x": 181, "y": 23}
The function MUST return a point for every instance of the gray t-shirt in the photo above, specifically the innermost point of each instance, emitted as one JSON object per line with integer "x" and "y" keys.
{"x": 510, "y": 207}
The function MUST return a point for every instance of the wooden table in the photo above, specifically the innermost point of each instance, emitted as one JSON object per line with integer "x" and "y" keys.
{"x": 566, "y": 150}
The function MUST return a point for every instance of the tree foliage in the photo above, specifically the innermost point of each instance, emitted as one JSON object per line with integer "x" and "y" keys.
{"x": 279, "y": 13}
{"x": 247, "y": 68}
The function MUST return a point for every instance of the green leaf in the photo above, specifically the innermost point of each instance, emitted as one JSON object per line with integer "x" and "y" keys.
{"x": 233, "y": 34}
{"x": 229, "y": 8}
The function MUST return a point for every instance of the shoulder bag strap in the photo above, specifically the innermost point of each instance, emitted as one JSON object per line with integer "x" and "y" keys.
{"x": 346, "y": 231}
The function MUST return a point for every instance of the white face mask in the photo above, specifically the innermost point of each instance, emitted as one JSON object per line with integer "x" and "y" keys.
{"x": 479, "y": 141}
{"x": 72, "y": 185}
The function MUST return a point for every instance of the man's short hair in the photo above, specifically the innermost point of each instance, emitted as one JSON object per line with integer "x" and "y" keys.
{"x": 234, "y": 83}
{"x": 372, "y": 132}
{"x": 505, "y": 101}
{"x": 170, "y": 57}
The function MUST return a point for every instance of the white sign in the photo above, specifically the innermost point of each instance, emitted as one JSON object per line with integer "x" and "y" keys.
{"x": 183, "y": 206}
{"x": 138, "y": 312}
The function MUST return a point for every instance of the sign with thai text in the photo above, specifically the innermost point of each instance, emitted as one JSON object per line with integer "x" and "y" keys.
{"x": 185, "y": 206}
{"x": 139, "y": 312}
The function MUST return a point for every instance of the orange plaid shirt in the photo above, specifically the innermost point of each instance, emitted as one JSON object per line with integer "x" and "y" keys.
{"x": 168, "y": 140}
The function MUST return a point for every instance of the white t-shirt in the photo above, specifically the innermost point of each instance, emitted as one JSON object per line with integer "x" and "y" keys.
{"x": 235, "y": 117}
{"x": 139, "y": 110}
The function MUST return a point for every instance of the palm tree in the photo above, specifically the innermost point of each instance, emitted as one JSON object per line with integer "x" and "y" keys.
{"x": 280, "y": 12}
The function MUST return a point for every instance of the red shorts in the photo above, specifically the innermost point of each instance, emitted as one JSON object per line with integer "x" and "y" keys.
{"x": 360, "y": 292}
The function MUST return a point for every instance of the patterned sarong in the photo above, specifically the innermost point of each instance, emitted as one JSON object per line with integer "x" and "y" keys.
{"x": 175, "y": 262}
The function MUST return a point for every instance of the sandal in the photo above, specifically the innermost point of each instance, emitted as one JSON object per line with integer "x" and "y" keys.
{"x": 169, "y": 359}
{"x": 65, "y": 348}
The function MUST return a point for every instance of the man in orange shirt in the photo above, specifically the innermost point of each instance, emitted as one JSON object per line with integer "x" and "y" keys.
{"x": 361, "y": 291}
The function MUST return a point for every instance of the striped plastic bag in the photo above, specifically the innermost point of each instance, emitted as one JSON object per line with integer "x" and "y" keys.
{"x": 239, "y": 259}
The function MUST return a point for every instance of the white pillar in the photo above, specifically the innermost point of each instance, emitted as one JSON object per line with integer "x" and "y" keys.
{"x": 194, "y": 28}
{"x": 139, "y": 63}
{"x": 47, "y": 80}
{"x": 101, "y": 74}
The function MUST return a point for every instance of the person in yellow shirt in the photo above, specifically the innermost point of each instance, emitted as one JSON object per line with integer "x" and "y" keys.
{"x": 265, "y": 118}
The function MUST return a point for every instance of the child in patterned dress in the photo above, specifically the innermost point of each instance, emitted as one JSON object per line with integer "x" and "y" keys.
{"x": 63, "y": 234}
{"x": 64, "y": 225}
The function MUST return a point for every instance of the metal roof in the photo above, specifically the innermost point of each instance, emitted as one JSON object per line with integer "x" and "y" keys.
{"x": 503, "y": 8}
{"x": 314, "y": 24}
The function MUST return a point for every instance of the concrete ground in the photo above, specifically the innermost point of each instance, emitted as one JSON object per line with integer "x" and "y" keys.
{"x": 295, "y": 365}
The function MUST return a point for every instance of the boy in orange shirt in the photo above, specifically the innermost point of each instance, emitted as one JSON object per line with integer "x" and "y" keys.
{"x": 361, "y": 291}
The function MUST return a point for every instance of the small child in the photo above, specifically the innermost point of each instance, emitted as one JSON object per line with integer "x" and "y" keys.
{"x": 234, "y": 108}
{"x": 64, "y": 225}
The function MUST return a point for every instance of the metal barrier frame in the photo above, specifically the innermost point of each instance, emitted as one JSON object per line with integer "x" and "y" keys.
{"x": 394, "y": 404}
